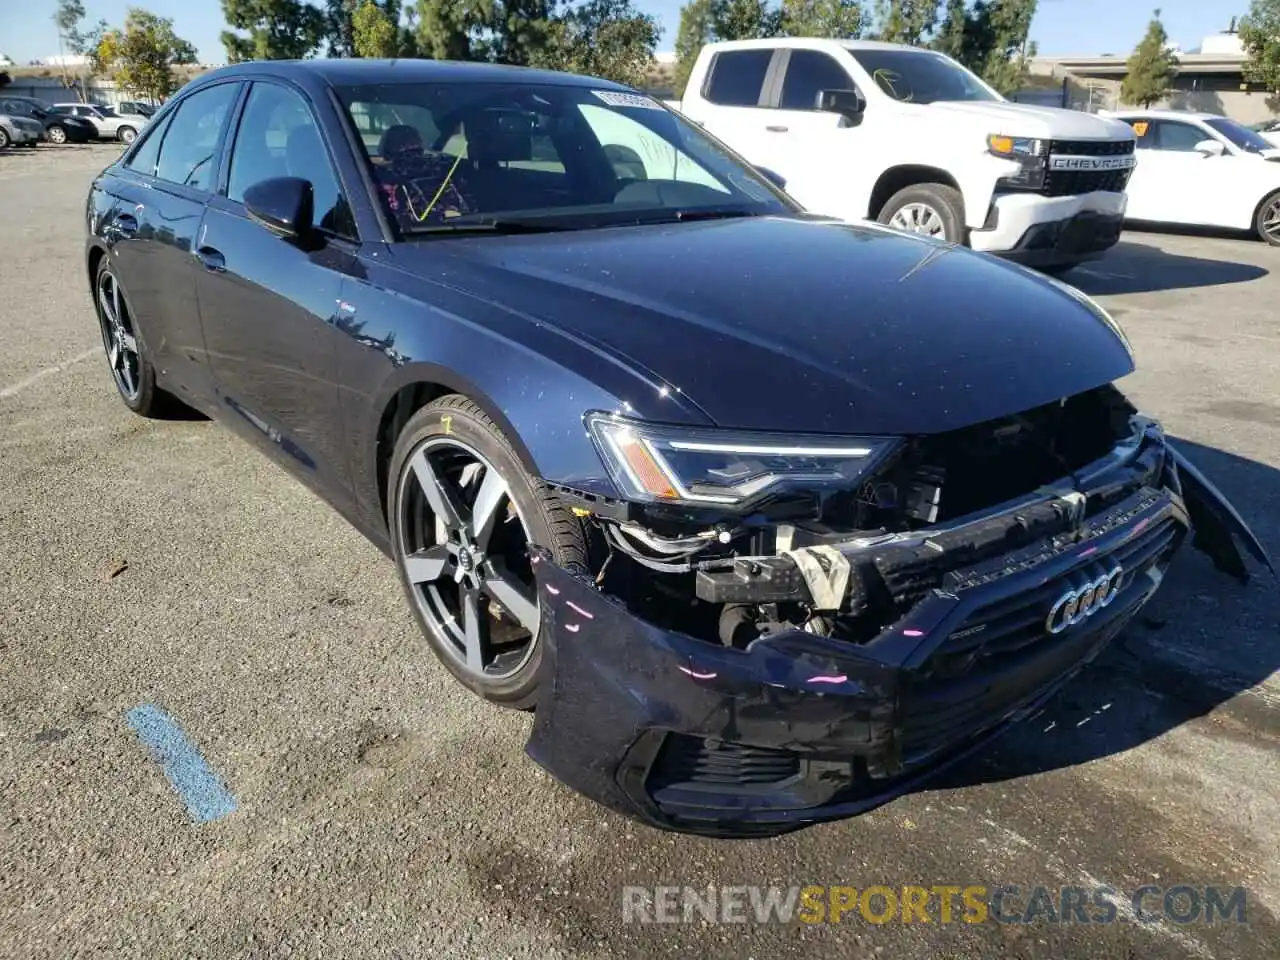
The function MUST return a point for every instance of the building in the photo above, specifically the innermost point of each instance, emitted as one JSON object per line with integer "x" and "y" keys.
{"x": 1209, "y": 79}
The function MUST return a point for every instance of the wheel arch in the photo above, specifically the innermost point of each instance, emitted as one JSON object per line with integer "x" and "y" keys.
{"x": 96, "y": 253}
{"x": 902, "y": 176}
{"x": 416, "y": 386}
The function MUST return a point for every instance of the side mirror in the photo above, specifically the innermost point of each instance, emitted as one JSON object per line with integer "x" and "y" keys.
{"x": 850, "y": 104}
{"x": 284, "y": 205}
{"x": 1211, "y": 148}
{"x": 777, "y": 179}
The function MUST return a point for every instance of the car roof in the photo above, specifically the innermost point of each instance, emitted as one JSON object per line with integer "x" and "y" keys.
{"x": 814, "y": 43}
{"x": 1164, "y": 114}
{"x": 344, "y": 72}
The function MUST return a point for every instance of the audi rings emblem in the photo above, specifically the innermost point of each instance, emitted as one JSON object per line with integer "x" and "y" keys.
{"x": 1084, "y": 601}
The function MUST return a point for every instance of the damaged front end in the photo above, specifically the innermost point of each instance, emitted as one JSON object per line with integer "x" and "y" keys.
{"x": 816, "y": 650}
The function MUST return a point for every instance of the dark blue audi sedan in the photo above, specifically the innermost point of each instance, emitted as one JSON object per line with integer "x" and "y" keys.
{"x": 768, "y": 516}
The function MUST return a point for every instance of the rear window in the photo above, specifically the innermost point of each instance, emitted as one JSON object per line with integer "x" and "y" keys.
{"x": 737, "y": 77}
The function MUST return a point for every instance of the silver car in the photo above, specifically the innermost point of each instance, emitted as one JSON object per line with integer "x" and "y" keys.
{"x": 110, "y": 124}
{"x": 18, "y": 131}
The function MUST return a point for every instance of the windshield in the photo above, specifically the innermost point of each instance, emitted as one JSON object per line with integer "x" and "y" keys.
{"x": 448, "y": 155}
{"x": 1240, "y": 135}
{"x": 919, "y": 76}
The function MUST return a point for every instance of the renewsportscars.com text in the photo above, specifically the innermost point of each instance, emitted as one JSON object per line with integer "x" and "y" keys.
{"x": 937, "y": 903}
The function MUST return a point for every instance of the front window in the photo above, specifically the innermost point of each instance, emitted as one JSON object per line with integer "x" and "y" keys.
{"x": 451, "y": 155}
{"x": 1244, "y": 138}
{"x": 919, "y": 76}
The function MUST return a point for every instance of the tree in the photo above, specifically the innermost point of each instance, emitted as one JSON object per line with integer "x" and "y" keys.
{"x": 498, "y": 31}
{"x": 373, "y": 32}
{"x": 841, "y": 19}
{"x": 66, "y": 17}
{"x": 1151, "y": 68}
{"x": 746, "y": 20}
{"x": 1260, "y": 35}
{"x": 603, "y": 38}
{"x": 905, "y": 21}
{"x": 140, "y": 56}
{"x": 339, "y": 18}
{"x": 995, "y": 42}
{"x": 277, "y": 29}
{"x": 697, "y": 29}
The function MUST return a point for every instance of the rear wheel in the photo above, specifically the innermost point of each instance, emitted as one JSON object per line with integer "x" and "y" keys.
{"x": 132, "y": 372}
{"x": 1267, "y": 221}
{"x": 932, "y": 209}
{"x": 127, "y": 134}
{"x": 462, "y": 513}
{"x": 56, "y": 134}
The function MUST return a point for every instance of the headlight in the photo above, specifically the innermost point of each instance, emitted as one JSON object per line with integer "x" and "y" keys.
{"x": 660, "y": 464}
{"x": 1026, "y": 151}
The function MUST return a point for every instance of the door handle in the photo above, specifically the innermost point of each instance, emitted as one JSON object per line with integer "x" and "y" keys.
{"x": 776, "y": 129}
{"x": 212, "y": 259}
{"x": 126, "y": 224}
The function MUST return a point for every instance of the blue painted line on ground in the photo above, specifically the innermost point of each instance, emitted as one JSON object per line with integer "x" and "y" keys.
{"x": 203, "y": 792}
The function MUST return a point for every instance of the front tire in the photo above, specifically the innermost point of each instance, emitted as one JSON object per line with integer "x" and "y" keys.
{"x": 932, "y": 209}
{"x": 1267, "y": 221}
{"x": 4, "y": 139}
{"x": 462, "y": 512}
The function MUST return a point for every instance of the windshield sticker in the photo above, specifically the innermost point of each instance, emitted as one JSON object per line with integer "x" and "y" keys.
{"x": 1140, "y": 127}
{"x": 615, "y": 98}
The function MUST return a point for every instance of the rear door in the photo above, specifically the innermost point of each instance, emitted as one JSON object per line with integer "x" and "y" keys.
{"x": 160, "y": 199}
{"x": 731, "y": 101}
{"x": 268, "y": 305}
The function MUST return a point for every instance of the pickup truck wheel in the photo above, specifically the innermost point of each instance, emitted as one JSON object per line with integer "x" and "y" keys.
{"x": 1267, "y": 222}
{"x": 932, "y": 209}
{"x": 462, "y": 513}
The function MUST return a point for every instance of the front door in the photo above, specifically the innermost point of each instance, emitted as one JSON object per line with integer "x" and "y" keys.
{"x": 269, "y": 305}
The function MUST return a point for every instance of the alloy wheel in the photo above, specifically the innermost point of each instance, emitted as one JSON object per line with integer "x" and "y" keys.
{"x": 1270, "y": 220}
{"x": 57, "y": 135}
{"x": 128, "y": 135}
{"x": 4, "y": 139}
{"x": 465, "y": 556}
{"x": 118, "y": 337}
{"x": 918, "y": 218}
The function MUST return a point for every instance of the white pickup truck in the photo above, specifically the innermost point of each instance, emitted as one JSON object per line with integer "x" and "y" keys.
{"x": 910, "y": 138}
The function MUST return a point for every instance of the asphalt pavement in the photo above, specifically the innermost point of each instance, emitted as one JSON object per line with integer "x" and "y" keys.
{"x": 372, "y": 808}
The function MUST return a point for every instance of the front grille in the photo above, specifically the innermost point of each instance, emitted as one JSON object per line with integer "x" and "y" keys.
{"x": 1002, "y": 655}
{"x": 686, "y": 761}
{"x": 1068, "y": 183}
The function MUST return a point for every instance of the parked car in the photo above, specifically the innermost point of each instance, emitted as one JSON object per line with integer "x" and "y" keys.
{"x": 18, "y": 131}
{"x": 911, "y": 138}
{"x": 56, "y": 129}
{"x": 110, "y": 124}
{"x": 767, "y": 514}
{"x": 136, "y": 107}
{"x": 1204, "y": 170}
{"x": 1269, "y": 130}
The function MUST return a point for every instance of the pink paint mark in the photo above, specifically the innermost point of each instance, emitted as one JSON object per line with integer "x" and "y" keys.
{"x": 913, "y": 633}
{"x": 1085, "y": 553}
{"x": 578, "y": 610}
{"x": 840, "y": 679}
{"x": 554, "y": 591}
{"x": 573, "y": 627}
{"x": 699, "y": 676}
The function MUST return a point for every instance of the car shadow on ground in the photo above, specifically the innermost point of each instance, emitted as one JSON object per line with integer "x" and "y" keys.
{"x": 1204, "y": 640}
{"x": 1131, "y": 267}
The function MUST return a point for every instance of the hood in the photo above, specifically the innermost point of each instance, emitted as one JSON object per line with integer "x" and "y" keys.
{"x": 1046, "y": 123}
{"x": 800, "y": 326}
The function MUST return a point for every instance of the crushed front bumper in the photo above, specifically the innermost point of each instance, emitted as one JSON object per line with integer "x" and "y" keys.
{"x": 796, "y": 728}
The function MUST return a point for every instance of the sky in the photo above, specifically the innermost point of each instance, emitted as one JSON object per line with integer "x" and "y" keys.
{"x": 1061, "y": 27}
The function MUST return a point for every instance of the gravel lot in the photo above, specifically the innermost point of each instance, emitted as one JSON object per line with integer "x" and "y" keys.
{"x": 382, "y": 812}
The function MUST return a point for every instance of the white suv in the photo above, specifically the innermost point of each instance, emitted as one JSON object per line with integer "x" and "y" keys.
{"x": 909, "y": 137}
{"x": 110, "y": 124}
